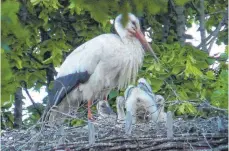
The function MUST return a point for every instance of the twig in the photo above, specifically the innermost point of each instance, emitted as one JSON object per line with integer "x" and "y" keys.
{"x": 195, "y": 7}
{"x": 31, "y": 99}
{"x": 207, "y": 141}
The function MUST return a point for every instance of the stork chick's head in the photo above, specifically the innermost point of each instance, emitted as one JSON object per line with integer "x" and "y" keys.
{"x": 143, "y": 84}
{"x": 104, "y": 109}
{"x": 131, "y": 29}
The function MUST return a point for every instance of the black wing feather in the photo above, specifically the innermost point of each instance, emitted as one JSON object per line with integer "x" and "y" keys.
{"x": 64, "y": 85}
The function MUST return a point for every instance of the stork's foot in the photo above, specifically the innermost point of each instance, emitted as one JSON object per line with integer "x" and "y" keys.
{"x": 90, "y": 117}
{"x": 105, "y": 98}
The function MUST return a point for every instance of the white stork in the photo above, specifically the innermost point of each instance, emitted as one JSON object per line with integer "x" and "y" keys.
{"x": 101, "y": 64}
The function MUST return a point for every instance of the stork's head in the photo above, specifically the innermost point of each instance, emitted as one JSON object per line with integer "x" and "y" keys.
{"x": 131, "y": 29}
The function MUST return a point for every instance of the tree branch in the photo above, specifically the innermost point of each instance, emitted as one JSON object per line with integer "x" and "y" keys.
{"x": 195, "y": 7}
{"x": 206, "y": 104}
{"x": 202, "y": 24}
{"x": 31, "y": 99}
{"x": 212, "y": 37}
{"x": 41, "y": 63}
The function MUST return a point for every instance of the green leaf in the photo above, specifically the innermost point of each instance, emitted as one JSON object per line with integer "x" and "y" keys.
{"x": 210, "y": 61}
{"x": 182, "y": 94}
{"x": 223, "y": 57}
{"x": 178, "y": 69}
{"x": 190, "y": 108}
{"x": 156, "y": 84}
{"x": 150, "y": 68}
{"x": 181, "y": 108}
{"x": 19, "y": 64}
{"x": 6, "y": 104}
{"x": 113, "y": 94}
{"x": 35, "y": 2}
{"x": 181, "y": 2}
{"x": 77, "y": 122}
{"x": 210, "y": 75}
{"x": 44, "y": 15}
{"x": 192, "y": 70}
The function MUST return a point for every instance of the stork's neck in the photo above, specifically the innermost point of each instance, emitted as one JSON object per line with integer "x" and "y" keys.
{"x": 122, "y": 32}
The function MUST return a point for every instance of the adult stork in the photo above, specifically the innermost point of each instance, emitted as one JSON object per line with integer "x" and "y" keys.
{"x": 101, "y": 64}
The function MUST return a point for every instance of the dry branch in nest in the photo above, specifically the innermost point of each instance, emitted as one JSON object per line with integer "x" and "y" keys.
{"x": 195, "y": 134}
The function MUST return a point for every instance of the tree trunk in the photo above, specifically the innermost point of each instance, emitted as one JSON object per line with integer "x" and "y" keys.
{"x": 180, "y": 24}
{"x": 49, "y": 71}
{"x": 18, "y": 108}
{"x": 166, "y": 23}
{"x": 180, "y": 21}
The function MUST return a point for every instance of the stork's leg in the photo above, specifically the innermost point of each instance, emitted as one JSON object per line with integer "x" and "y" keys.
{"x": 105, "y": 98}
{"x": 89, "y": 114}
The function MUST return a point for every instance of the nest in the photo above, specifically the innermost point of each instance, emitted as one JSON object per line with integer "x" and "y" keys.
{"x": 195, "y": 134}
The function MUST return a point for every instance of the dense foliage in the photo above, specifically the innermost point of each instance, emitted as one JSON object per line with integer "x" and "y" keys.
{"x": 38, "y": 35}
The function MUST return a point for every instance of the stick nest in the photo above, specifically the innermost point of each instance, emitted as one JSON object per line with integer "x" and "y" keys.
{"x": 195, "y": 134}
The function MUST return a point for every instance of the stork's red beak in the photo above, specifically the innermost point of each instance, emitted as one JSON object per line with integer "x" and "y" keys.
{"x": 139, "y": 35}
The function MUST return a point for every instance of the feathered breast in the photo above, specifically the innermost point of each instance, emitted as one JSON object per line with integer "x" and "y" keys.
{"x": 131, "y": 63}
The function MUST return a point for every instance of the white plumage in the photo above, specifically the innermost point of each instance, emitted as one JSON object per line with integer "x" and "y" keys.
{"x": 109, "y": 67}
{"x": 140, "y": 102}
{"x": 141, "y": 106}
{"x": 120, "y": 104}
{"x": 162, "y": 117}
{"x": 103, "y": 63}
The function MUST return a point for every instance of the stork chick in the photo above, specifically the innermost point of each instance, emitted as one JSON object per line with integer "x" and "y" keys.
{"x": 120, "y": 105}
{"x": 104, "y": 110}
{"x": 141, "y": 106}
{"x": 142, "y": 103}
{"x": 162, "y": 117}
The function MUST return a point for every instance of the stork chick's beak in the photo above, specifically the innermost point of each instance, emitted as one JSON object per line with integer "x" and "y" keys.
{"x": 109, "y": 111}
{"x": 139, "y": 35}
